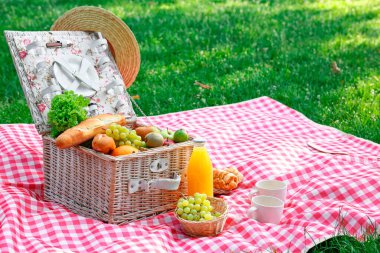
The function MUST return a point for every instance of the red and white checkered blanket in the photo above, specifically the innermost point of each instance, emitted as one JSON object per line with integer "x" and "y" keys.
{"x": 334, "y": 180}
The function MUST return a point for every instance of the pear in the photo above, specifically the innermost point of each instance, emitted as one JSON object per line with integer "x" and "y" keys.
{"x": 144, "y": 130}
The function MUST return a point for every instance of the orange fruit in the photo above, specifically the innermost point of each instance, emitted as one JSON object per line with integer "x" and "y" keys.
{"x": 124, "y": 150}
{"x": 103, "y": 143}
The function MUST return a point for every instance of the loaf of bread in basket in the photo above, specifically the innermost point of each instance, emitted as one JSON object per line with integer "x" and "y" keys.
{"x": 87, "y": 129}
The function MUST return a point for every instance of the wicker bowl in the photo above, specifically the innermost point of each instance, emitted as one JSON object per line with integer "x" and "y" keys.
{"x": 206, "y": 228}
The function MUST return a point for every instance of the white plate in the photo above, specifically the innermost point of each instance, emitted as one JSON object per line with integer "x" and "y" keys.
{"x": 77, "y": 74}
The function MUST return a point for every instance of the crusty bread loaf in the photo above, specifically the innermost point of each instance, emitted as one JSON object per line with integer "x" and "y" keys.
{"x": 87, "y": 129}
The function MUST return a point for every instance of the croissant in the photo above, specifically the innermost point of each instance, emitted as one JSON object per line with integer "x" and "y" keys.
{"x": 237, "y": 173}
{"x": 224, "y": 180}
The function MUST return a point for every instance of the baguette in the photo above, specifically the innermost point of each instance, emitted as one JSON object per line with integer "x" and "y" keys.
{"x": 87, "y": 130}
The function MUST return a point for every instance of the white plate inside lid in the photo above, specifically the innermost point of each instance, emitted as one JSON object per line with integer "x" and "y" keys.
{"x": 76, "y": 73}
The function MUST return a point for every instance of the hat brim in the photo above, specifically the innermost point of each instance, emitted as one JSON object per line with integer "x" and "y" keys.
{"x": 123, "y": 44}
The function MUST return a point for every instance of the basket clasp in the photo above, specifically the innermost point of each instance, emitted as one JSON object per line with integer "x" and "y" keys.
{"x": 159, "y": 165}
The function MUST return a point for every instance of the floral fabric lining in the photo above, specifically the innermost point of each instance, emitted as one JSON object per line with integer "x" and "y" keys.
{"x": 35, "y": 64}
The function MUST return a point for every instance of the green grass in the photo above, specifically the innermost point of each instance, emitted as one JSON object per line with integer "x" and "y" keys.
{"x": 344, "y": 242}
{"x": 243, "y": 50}
{"x": 348, "y": 244}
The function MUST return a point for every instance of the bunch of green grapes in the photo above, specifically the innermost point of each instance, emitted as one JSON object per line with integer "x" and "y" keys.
{"x": 196, "y": 208}
{"x": 124, "y": 136}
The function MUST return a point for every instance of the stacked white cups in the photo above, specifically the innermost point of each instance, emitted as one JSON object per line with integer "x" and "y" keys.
{"x": 267, "y": 201}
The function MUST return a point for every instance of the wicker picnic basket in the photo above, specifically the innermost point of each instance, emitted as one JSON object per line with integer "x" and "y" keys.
{"x": 111, "y": 189}
{"x": 100, "y": 186}
{"x": 206, "y": 228}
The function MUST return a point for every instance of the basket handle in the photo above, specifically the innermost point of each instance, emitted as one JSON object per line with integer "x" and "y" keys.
{"x": 171, "y": 184}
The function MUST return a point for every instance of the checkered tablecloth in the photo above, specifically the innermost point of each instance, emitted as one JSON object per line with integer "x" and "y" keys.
{"x": 333, "y": 180}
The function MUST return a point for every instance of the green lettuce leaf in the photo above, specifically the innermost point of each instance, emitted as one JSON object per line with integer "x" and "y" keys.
{"x": 67, "y": 110}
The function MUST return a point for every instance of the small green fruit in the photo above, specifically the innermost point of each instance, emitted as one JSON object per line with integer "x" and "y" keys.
{"x": 180, "y": 136}
{"x": 164, "y": 133}
{"x": 170, "y": 135}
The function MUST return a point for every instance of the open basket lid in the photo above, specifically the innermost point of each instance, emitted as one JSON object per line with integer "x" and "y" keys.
{"x": 49, "y": 63}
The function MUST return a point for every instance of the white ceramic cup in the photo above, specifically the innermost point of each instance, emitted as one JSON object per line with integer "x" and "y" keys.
{"x": 266, "y": 209}
{"x": 273, "y": 188}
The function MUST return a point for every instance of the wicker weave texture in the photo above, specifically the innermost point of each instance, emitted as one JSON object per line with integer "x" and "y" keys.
{"x": 206, "y": 228}
{"x": 96, "y": 186}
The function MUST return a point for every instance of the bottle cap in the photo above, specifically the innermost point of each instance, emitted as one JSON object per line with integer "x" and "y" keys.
{"x": 199, "y": 140}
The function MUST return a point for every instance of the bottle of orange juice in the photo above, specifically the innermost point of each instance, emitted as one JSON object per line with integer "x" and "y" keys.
{"x": 199, "y": 170}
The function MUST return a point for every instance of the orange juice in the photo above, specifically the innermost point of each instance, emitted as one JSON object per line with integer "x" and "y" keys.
{"x": 199, "y": 170}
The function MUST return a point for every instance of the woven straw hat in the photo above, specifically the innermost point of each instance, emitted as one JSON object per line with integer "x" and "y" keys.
{"x": 122, "y": 42}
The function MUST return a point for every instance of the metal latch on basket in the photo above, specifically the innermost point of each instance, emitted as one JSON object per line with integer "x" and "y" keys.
{"x": 171, "y": 184}
{"x": 159, "y": 165}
